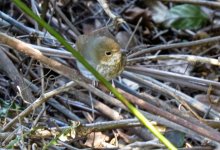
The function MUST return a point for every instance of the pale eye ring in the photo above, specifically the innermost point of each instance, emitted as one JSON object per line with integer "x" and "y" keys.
{"x": 108, "y": 53}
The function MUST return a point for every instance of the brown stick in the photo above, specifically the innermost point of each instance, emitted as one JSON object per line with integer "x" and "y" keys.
{"x": 28, "y": 50}
{"x": 8, "y": 67}
{"x": 57, "y": 67}
{"x": 175, "y": 45}
{"x": 37, "y": 103}
{"x": 212, "y": 134}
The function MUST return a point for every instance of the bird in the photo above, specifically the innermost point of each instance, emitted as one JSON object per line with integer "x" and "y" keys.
{"x": 103, "y": 52}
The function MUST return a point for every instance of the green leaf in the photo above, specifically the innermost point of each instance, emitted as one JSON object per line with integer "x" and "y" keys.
{"x": 4, "y": 107}
{"x": 13, "y": 142}
{"x": 186, "y": 16}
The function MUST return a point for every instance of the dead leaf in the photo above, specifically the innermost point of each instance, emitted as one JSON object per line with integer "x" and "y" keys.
{"x": 134, "y": 14}
{"x": 96, "y": 139}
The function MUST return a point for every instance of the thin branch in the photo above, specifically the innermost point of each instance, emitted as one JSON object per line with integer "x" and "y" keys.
{"x": 188, "y": 58}
{"x": 58, "y": 67}
{"x": 158, "y": 86}
{"x": 211, "y": 133}
{"x": 176, "y": 45}
{"x": 107, "y": 10}
{"x": 38, "y": 102}
{"x": 8, "y": 67}
{"x": 145, "y": 71}
{"x": 68, "y": 22}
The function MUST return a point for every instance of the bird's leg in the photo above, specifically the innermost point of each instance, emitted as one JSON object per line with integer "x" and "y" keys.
{"x": 113, "y": 83}
{"x": 94, "y": 83}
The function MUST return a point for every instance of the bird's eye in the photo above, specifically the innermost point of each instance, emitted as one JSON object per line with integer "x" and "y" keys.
{"x": 108, "y": 53}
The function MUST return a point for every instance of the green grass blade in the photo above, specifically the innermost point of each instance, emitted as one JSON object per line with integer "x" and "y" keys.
{"x": 132, "y": 109}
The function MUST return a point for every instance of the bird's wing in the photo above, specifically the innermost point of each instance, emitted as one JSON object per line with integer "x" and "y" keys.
{"x": 81, "y": 42}
{"x": 103, "y": 32}
{"x": 83, "y": 45}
